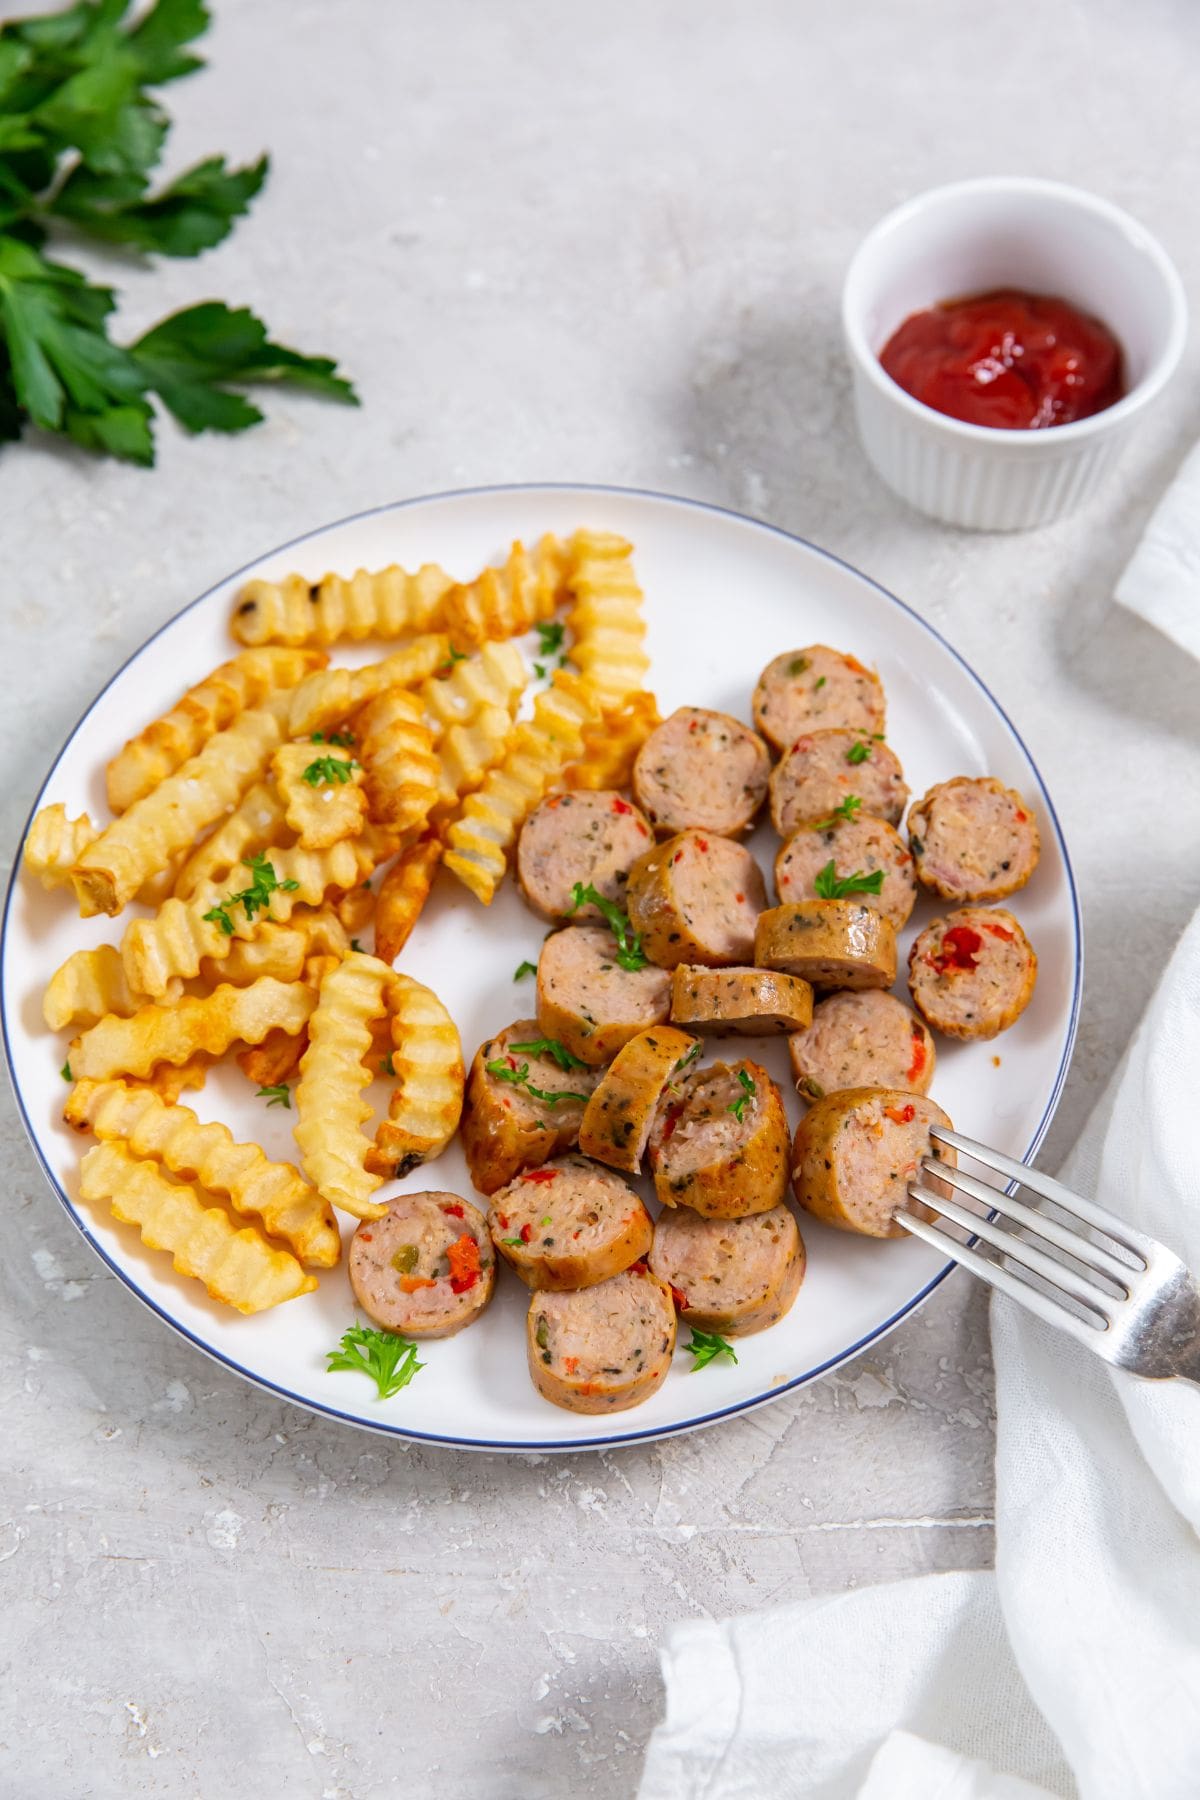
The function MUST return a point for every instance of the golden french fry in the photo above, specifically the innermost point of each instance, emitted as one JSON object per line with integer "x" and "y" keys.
{"x": 382, "y": 603}
{"x": 173, "y": 1034}
{"x": 400, "y": 771}
{"x": 275, "y": 1060}
{"x": 161, "y": 885}
{"x": 611, "y": 744}
{"x": 204, "y": 710}
{"x": 323, "y": 932}
{"x": 184, "y": 933}
{"x": 427, "y": 1061}
{"x": 506, "y": 602}
{"x": 55, "y": 843}
{"x": 486, "y": 826}
{"x": 354, "y": 910}
{"x": 495, "y": 676}
{"x": 168, "y": 1082}
{"x": 322, "y": 793}
{"x": 255, "y": 823}
{"x": 109, "y": 872}
{"x": 90, "y": 984}
{"x": 278, "y": 950}
{"x": 605, "y": 618}
{"x": 466, "y": 753}
{"x": 326, "y": 700}
{"x": 273, "y": 1193}
{"x": 329, "y": 1103}
{"x": 403, "y": 892}
{"x": 236, "y": 1266}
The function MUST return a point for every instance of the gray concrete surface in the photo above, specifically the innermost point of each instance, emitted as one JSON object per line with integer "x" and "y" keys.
{"x": 596, "y": 243}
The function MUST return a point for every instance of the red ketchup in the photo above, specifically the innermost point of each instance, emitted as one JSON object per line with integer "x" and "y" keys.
{"x": 1011, "y": 360}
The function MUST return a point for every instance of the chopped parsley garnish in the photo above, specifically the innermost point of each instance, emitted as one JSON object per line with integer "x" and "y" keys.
{"x": 737, "y": 1107}
{"x": 255, "y": 898}
{"x": 830, "y": 886}
{"x": 519, "y": 1077}
{"x": 818, "y": 684}
{"x": 276, "y": 1096}
{"x": 387, "y": 1066}
{"x": 689, "y": 1056}
{"x": 706, "y": 1345}
{"x": 630, "y": 954}
{"x": 328, "y": 770}
{"x": 343, "y": 739}
{"x": 551, "y": 1047}
{"x": 845, "y": 811}
{"x": 539, "y": 670}
{"x": 524, "y": 969}
{"x": 65, "y": 1071}
{"x": 550, "y": 637}
{"x": 859, "y": 752}
{"x": 390, "y": 1360}
{"x": 456, "y": 656}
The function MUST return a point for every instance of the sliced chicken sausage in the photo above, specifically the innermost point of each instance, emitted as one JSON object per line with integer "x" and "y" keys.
{"x": 734, "y": 1276}
{"x": 522, "y": 1105}
{"x": 616, "y": 1124}
{"x": 696, "y": 898}
{"x": 806, "y": 690}
{"x": 704, "y": 769}
{"x": 426, "y": 1268}
{"x": 822, "y": 769}
{"x": 868, "y": 1039}
{"x": 856, "y": 1152}
{"x": 569, "y": 1224}
{"x": 841, "y": 850}
{"x": 602, "y": 1349}
{"x": 973, "y": 839}
{"x": 587, "y": 837}
{"x": 972, "y": 974}
{"x": 721, "y": 1147}
{"x": 754, "y": 1001}
{"x": 830, "y": 943}
{"x": 588, "y": 1002}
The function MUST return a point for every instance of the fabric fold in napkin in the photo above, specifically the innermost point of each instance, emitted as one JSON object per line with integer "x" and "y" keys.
{"x": 1161, "y": 581}
{"x": 1074, "y": 1669}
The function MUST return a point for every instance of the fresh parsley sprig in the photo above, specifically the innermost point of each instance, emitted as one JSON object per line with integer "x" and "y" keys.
{"x": 738, "y": 1106}
{"x": 858, "y": 752}
{"x": 279, "y": 1095}
{"x": 828, "y": 885}
{"x": 630, "y": 954}
{"x": 706, "y": 1345}
{"x": 329, "y": 771}
{"x": 550, "y": 1047}
{"x": 840, "y": 814}
{"x": 519, "y": 1077}
{"x": 254, "y": 898}
{"x": 390, "y": 1360}
{"x": 343, "y": 739}
{"x": 524, "y": 969}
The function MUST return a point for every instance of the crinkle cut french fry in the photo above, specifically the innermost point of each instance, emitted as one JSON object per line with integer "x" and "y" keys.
{"x": 328, "y": 699}
{"x": 466, "y": 753}
{"x": 495, "y": 676}
{"x": 506, "y": 602}
{"x": 330, "y": 1107}
{"x": 611, "y": 744}
{"x": 403, "y": 892}
{"x": 173, "y": 1034}
{"x": 169, "y": 1082}
{"x": 175, "y": 942}
{"x": 605, "y": 618}
{"x": 328, "y": 807}
{"x": 278, "y": 950}
{"x": 400, "y": 772}
{"x": 255, "y": 822}
{"x": 382, "y": 603}
{"x": 274, "y": 1193}
{"x": 168, "y": 819}
{"x": 205, "y": 709}
{"x": 427, "y": 1060}
{"x": 277, "y": 1059}
{"x": 486, "y": 827}
{"x": 238, "y": 1267}
{"x": 90, "y": 984}
{"x": 54, "y": 843}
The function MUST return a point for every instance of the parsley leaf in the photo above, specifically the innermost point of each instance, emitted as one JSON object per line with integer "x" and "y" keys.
{"x": 550, "y": 637}
{"x": 390, "y": 1360}
{"x": 524, "y": 969}
{"x": 706, "y": 1345}
{"x": 343, "y": 739}
{"x": 829, "y": 886}
{"x": 65, "y": 1071}
{"x": 279, "y": 1095}
{"x": 630, "y": 954}
{"x": 846, "y": 811}
{"x": 328, "y": 771}
{"x": 551, "y": 1047}
{"x": 859, "y": 752}
{"x": 738, "y": 1106}
{"x": 193, "y": 213}
{"x": 254, "y": 898}
{"x": 689, "y": 1056}
{"x": 519, "y": 1077}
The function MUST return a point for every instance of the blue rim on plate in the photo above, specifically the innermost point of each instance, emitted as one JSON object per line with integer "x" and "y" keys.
{"x": 625, "y": 1437}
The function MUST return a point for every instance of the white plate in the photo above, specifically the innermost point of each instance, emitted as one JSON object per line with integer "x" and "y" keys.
{"x": 724, "y": 595}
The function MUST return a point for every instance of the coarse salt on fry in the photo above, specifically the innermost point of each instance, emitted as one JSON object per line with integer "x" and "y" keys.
{"x": 322, "y": 793}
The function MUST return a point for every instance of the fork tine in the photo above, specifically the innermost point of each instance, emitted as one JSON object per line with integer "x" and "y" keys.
{"x": 1026, "y": 1254}
{"x": 1081, "y": 1248}
{"x": 1049, "y": 1189}
{"x": 1008, "y": 1283}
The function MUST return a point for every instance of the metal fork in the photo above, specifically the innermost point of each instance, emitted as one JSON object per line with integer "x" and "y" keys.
{"x": 1130, "y": 1299}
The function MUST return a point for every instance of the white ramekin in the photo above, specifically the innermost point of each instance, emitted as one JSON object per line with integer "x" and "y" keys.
{"x": 1006, "y": 232}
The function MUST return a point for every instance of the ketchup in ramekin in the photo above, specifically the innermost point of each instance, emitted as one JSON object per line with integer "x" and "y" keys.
{"x": 1008, "y": 359}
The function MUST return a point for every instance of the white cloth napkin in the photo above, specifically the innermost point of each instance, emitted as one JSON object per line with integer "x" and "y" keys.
{"x": 1161, "y": 581}
{"x": 1074, "y": 1669}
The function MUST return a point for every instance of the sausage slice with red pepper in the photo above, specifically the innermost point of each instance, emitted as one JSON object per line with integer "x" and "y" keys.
{"x": 823, "y": 769}
{"x": 973, "y": 839}
{"x": 696, "y": 898}
{"x": 524, "y": 1104}
{"x": 805, "y": 690}
{"x": 867, "y": 1039}
{"x": 616, "y": 1124}
{"x": 426, "y": 1268}
{"x": 972, "y": 974}
{"x": 570, "y": 1224}
{"x": 830, "y": 943}
{"x": 590, "y": 838}
{"x": 602, "y": 1349}
{"x": 734, "y": 1276}
{"x": 721, "y": 1147}
{"x": 703, "y": 769}
{"x": 856, "y": 1152}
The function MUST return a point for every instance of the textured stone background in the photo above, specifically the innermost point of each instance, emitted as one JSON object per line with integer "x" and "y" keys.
{"x": 566, "y": 242}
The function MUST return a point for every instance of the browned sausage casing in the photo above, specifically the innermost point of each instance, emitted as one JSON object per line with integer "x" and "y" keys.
{"x": 972, "y": 974}
{"x": 735, "y": 1276}
{"x": 602, "y": 1349}
{"x": 695, "y": 898}
{"x": 588, "y": 837}
{"x": 973, "y": 839}
{"x": 569, "y": 1225}
{"x": 426, "y": 1268}
{"x": 830, "y": 943}
{"x": 856, "y": 1152}
{"x": 588, "y": 1001}
{"x": 722, "y": 1146}
{"x": 616, "y": 1124}
{"x": 753, "y": 1001}
{"x": 505, "y": 1128}
{"x": 704, "y": 769}
{"x": 814, "y": 689}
